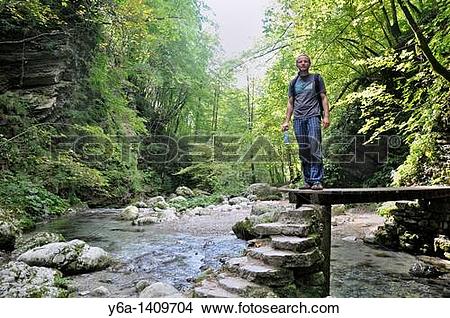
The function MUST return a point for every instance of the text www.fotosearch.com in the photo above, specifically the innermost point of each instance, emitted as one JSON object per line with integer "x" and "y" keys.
{"x": 251, "y": 308}
{"x": 177, "y": 308}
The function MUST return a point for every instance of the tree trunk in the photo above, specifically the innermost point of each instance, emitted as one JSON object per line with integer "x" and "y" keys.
{"x": 250, "y": 107}
{"x": 423, "y": 43}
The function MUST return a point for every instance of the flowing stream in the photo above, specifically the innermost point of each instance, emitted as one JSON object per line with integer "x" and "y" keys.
{"x": 177, "y": 252}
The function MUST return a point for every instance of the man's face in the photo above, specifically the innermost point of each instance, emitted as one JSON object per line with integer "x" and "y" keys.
{"x": 303, "y": 63}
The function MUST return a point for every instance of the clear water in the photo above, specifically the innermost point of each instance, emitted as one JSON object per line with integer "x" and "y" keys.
{"x": 161, "y": 252}
{"x": 155, "y": 252}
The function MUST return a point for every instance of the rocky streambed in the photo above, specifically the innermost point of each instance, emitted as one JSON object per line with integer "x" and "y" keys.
{"x": 166, "y": 254}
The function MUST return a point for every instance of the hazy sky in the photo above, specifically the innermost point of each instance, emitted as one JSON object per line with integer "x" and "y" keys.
{"x": 239, "y": 21}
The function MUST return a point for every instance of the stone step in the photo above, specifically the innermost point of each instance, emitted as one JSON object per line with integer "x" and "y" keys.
{"x": 211, "y": 289}
{"x": 286, "y": 259}
{"x": 292, "y": 243}
{"x": 268, "y": 229}
{"x": 301, "y": 215}
{"x": 257, "y": 272}
{"x": 258, "y": 242}
{"x": 243, "y": 287}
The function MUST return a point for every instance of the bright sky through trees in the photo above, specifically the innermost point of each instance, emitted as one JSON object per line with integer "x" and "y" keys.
{"x": 239, "y": 21}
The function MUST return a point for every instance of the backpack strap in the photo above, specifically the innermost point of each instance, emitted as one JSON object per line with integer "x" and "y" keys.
{"x": 292, "y": 85}
{"x": 317, "y": 87}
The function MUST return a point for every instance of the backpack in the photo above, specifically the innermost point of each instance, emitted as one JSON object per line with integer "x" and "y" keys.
{"x": 316, "y": 86}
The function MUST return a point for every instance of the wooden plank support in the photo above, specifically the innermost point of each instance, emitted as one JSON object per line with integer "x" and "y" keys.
{"x": 325, "y": 245}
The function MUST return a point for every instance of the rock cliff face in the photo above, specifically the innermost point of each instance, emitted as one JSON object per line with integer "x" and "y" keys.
{"x": 42, "y": 69}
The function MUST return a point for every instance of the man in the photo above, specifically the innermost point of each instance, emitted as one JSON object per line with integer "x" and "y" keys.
{"x": 307, "y": 95}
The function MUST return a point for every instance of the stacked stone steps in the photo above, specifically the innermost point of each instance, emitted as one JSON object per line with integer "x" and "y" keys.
{"x": 227, "y": 285}
{"x": 283, "y": 253}
{"x": 258, "y": 272}
{"x": 286, "y": 258}
{"x": 211, "y": 289}
{"x": 299, "y": 216}
{"x": 292, "y": 243}
{"x": 277, "y": 228}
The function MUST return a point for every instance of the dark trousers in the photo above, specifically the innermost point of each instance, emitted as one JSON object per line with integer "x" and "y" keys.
{"x": 309, "y": 139}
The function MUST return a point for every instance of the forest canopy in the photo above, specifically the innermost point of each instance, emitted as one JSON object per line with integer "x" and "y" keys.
{"x": 133, "y": 76}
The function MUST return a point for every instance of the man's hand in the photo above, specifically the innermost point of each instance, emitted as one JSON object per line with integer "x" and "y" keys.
{"x": 285, "y": 126}
{"x": 326, "y": 122}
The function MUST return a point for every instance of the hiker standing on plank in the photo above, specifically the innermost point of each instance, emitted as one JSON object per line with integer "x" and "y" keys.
{"x": 309, "y": 104}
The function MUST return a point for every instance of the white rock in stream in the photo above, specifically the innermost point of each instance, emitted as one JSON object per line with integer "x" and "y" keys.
{"x": 168, "y": 214}
{"x": 69, "y": 257}
{"x": 238, "y": 200}
{"x": 101, "y": 291}
{"x": 160, "y": 290}
{"x": 157, "y": 202}
{"x": 198, "y": 211}
{"x": 129, "y": 213}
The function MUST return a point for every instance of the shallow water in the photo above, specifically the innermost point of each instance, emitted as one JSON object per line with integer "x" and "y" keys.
{"x": 359, "y": 270}
{"x": 162, "y": 252}
{"x": 155, "y": 252}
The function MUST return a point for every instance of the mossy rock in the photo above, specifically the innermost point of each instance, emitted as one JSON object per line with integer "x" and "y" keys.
{"x": 244, "y": 230}
{"x": 387, "y": 209}
{"x": 288, "y": 291}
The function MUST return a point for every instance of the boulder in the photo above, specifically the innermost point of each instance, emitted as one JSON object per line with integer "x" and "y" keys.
{"x": 18, "y": 280}
{"x": 141, "y": 285}
{"x": 238, "y": 200}
{"x": 144, "y": 220}
{"x": 160, "y": 290}
{"x": 197, "y": 211}
{"x": 101, "y": 291}
{"x": 157, "y": 202}
{"x": 422, "y": 270}
{"x": 140, "y": 204}
{"x": 177, "y": 200}
{"x": 264, "y": 207}
{"x": 245, "y": 229}
{"x": 39, "y": 239}
{"x": 184, "y": 191}
{"x": 263, "y": 191}
{"x": 168, "y": 214}
{"x": 442, "y": 245}
{"x": 129, "y": 213}
{"x": 69, "y": 257}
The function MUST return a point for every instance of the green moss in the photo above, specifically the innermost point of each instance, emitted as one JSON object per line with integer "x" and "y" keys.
{"x": 288, "y": 291}
{"x": 204, "y": 275}
{"x": 387, "y": 209}
{"x": 244, "y": 229}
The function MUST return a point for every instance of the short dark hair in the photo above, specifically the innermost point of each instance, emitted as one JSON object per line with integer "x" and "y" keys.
{"x": 305, "y": 55}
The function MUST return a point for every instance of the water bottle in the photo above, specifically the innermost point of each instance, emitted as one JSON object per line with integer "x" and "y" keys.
{"x": 286, "y": 137}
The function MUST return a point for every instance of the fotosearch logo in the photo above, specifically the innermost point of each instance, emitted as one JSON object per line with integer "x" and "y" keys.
{"x": 221, "y": 149}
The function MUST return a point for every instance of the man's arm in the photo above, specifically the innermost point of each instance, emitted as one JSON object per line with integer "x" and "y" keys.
{"x": 326, "y": 110}
{"x": 289, "y": 111}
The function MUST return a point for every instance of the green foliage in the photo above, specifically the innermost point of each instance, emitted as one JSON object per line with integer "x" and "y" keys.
{"x": 197, "y": 201}
{"x": 140, "y": 66}
{"x": 425, "y": 164}
{"x": 220, "y": 178}
{"x": 19, "y": 193}
{"x": 380, "y": 81}
{"x": 34, "y": 17}
{"x": 387, "y": 209}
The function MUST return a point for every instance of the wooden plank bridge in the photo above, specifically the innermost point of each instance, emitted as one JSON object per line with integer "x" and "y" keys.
{"x": 327, "y": 197}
